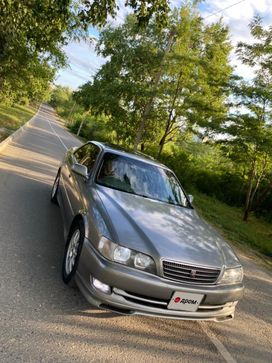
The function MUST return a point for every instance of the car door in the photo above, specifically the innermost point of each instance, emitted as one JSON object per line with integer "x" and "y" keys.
{"x": 77, "y": 186}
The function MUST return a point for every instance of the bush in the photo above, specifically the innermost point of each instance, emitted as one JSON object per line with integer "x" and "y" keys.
{"x": 24, "y": 101}
{"x": 74, "y": 126}
{"x": 196, "y": 174}
{"x": 93, "y": 128}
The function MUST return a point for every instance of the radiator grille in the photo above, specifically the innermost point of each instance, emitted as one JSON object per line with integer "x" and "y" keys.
{"x": 190, "y": 274}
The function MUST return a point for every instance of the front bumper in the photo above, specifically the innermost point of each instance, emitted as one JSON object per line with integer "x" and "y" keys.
{"x": 135, "y": 292}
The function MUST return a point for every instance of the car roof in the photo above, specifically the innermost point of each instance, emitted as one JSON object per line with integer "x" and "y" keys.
{"x": 115, "y": 149}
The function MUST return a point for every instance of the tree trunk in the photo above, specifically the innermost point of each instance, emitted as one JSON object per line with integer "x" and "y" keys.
{"x": 248, "y": 195}
{"x": 263, "y": 194}
{"x": 255, "y": 191}
{"x": 149, "y": 104}
{"x": 169, "y": 124}
{"x": 161, "y": 145}
{"x": 140, "y": 130}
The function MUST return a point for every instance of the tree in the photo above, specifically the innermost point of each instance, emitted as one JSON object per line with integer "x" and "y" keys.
{"x": 123, "y": 84}
{"x": 250, "y": 123}
{"x": 31, "y": 36}
{"x": 197, "y": 71}
{"x": 154, "y": 82}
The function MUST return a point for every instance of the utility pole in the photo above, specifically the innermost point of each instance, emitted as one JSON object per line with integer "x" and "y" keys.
{"x": 81, "y": 123}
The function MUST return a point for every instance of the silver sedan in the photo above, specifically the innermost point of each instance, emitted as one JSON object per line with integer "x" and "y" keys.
{"x": 135, "y": 244}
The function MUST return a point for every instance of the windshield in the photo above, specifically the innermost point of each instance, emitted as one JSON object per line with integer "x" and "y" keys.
{"x": 140, "y": 178}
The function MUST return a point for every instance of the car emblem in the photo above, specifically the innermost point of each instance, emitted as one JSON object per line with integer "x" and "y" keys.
{"x": 193, "y": 274}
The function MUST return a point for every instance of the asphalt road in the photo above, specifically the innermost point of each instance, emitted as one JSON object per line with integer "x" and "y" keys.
{"x": 43, "y": 320}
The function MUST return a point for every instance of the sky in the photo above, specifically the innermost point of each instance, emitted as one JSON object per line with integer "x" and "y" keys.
{"x": 84, "y": 62}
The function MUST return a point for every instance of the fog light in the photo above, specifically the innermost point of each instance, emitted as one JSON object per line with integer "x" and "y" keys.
{"x": 100, "y": 286}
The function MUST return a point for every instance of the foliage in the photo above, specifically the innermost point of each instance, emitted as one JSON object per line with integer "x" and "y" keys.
{"x": 94, "y": 127}
{"x": 259, "y": 53}
{"x": 61, "y": 98}
{"x": 175, "y": 89}
{"x": 97, "y": 12}
{"x": 31, "y": 36}
{"x": 156, "y": 82}
{"x": 121, "y": 86}
{"x": 197, "y": 71}
{"x": 205, "y": 168}
{"x": 250, "y": 124}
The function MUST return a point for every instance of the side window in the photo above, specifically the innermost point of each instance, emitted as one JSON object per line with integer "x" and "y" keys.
{"x": 87, "y": 155}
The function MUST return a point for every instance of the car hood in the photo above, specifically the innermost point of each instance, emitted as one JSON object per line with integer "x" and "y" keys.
{"x": 163, "y": 231}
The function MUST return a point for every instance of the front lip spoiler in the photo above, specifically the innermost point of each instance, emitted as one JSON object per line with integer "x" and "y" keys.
{"x": 120, "y": 306}
{"x": 127, "y": 312}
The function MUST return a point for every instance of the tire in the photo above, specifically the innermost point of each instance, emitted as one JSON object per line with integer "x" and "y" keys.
{"x": 72, "y": 253}
{"x": 55, "y": 189}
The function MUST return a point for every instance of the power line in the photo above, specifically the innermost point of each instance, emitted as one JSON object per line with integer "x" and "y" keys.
{"x": 227, "y": 7}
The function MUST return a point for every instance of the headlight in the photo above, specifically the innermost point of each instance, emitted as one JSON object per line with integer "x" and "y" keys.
{"x": 126, "y": 256}
{"x": 232, "y": 276}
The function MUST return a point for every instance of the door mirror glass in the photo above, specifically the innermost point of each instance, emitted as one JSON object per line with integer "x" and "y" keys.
{"x": 80, "y": 170}
{"x": 191, "y": 198}
{"x": 87, "y": 155}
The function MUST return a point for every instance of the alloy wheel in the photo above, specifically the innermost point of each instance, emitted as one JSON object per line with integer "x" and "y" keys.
{"x": 55, "y": 187}
{"x": 72, "y": 252}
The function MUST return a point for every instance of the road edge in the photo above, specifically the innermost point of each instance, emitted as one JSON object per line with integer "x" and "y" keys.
{"x": 17, "y": 133}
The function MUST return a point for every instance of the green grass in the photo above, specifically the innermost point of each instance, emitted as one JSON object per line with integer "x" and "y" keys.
{"x": 255, "y": 233}
{"x": 12, "y": 117}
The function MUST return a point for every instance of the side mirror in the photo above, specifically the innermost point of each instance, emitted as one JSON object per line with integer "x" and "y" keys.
{"x": 191, "y": 198}
{"x": 80, "y": 170}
